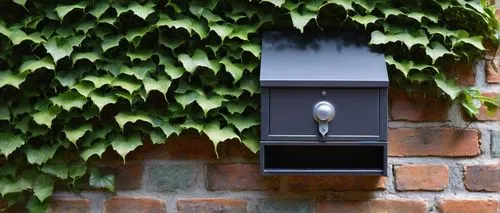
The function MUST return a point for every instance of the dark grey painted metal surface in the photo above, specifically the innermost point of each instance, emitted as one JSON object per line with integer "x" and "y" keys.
{"x": 359, "y": 114}
{"x": 299, "y": 72}
{"x": 342, "y": 60}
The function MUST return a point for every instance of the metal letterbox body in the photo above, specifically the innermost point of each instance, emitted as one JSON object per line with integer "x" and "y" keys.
{"x": 324, "y": 105}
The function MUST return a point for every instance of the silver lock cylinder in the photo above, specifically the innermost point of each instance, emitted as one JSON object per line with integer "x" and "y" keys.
{"x": 323, "y": 113}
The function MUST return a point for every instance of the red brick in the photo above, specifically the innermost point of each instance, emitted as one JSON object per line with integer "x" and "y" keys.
{"x": 17, "y": 208}
{"x": 483, "y": 112}
{"x": 492, "y": 75}
{"x": 433, "y": 142}
{"x": 208, "y": 205}
{"x": 70, "y": 205}
{"x": 492, "y": 67}
{"x": 235, "y": 149}
{"x": 134, "y": 205}
{"x": 190, "y": 145}
{"x": 239, "y": 177}
{"x": 421, "y": 177}
{"x": 372, "y": 206}
{"x": 335, "y": 183}
{"x": 483, "y": 177}
{"x": 127, "y": 176}
{"x": 463, "y": 72}
{"x": 417, "y": 107}
{"x": 468, "y": 206}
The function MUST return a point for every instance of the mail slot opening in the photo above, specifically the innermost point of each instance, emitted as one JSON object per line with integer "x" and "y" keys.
{"x": 355, "y": 159}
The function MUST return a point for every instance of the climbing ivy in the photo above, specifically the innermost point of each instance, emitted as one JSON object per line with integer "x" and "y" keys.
{"x": 81, "y": 77}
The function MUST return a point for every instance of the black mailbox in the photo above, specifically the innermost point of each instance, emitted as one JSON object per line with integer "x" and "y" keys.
{"x": 324, "y": 105}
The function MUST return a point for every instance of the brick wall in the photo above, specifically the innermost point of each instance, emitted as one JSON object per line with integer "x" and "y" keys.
{"x": 439, "y": 162}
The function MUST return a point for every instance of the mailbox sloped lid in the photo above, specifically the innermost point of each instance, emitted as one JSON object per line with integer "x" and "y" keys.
{"x": 333, "y": 60}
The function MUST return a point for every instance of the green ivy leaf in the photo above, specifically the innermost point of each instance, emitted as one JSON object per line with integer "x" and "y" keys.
{"x": 447, "y": 85}
{"x": 90, "y": 56}
{"x": 235, "y": 69}
{"x": 97, "y": 180}
{"x": 125, "y": 145}
{"x": 437, "y": 50}
{"x": 84, "y": 88}
{"x": 217, "y": 134}
{"x": 476, "y": 41}
{"x": 129, "y": 83}
{"x": 45, "y": 117}
{"x": 59, "y": 170}
{"x": 276, "y": 3}
{"x": 103, "y": 99}
{"x": 33, "y": 65}
{"x": 223, "y": 30}
{"x": 74, "y": 134}
{"x": 161, "y": 84}
{"x": 139, "y": 71}
{"x": 4, "y": 112}
{"x": 63, "y": 10}
{"x": 43, "y": 187}
{"x": 8, "y": 186}
{"x": 59, "y": 48}
{"x": 139, "y": 10}
{"x": 9, "y": 78}
{"x": 253, "y": 48}
{"x": 41, "y": 155}
{"x": 99, "y": 8}
{"x": 346, "y": 4}
{"x": 157, "y": 137}
{"x": 406, "y": 66}
{"x": 35, "y": 206}
{"x": 110, "y": 41}
{"x": 97, "y": 148}
{"x": 20, "y": 2}
{"x": 300, "y": 19}
{"x": 409, "y": 40}
{"x": 170, "y": 129}
{"x": 99, "y": 81}
{"x": 77, "y": 170}
{"x": 251, "y": 141}
{"x": 208, "y": 103}
{"x": 123, "y": 118}
{"x": 68, "y": 100}
{"x": 9, "y": 143}
{"x": 199, "y": 59}
{"x": 365, "y": 20}
{"x": 242, "y": 122}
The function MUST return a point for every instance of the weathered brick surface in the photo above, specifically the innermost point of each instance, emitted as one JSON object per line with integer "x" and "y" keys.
{"x": 285, "y": 205}
{"x": 18, "y": 208}
{"x": 463, "y": 72}
{"x": 433, "y": 142}
{"x": 69, "y": 205}
{"x": 385, "y": 206}
{"x": 235, "y": 149}
{"x": 482, "y": 177}
{"x": 492, "y": 67}
{"x": 468, "y": 206}
{"x": 190, "y": 145}
{"x": 417, "y": 107}
{"x": 134, "y": 205}
{"x": 208, "y": 205}
{"x": 495, "y": 143}
{"x": 127, "y": 177}
{"x": 493, "y": 71}
{"x": 171, "y": 178}
{"x": 238, "y": 177}
{"x": 335, "y": 183}
{"x": 421, "y": 177}
{"x": 483, "y": 112}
